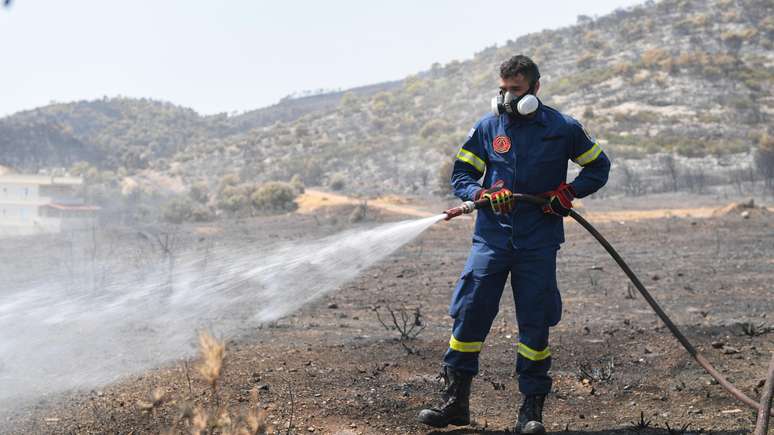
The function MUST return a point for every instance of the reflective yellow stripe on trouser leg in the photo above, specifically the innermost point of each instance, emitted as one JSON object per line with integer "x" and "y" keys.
{"x": 465, "y": 346}
{"x": 532, "y": 354}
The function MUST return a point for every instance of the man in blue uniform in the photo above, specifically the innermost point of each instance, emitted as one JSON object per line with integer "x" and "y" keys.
{"x": 523, "y": 146}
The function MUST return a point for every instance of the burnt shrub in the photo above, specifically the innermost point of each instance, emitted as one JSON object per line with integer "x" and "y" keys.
{"x": 199, "y": 192}
{"x": 444, "y": 177}
{"x": 178, "y": 210}
{"x": 359, "y": 213}
{"x": 298, "y": 184}
{"x": 232, "y": 199}
{"x": 274, "y": 197}
{"x": 202, "y": 213}
{"x": 764, "y": 159}
{"x": 337, "y": 181}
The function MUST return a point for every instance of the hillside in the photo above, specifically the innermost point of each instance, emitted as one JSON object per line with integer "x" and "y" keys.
{"x": 687, "y": 76}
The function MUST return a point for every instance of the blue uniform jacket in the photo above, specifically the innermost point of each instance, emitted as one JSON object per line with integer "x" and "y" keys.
{"x": 530, "y": 155}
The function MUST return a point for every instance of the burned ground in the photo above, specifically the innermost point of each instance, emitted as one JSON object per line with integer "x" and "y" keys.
{"x": 334, "y": 368}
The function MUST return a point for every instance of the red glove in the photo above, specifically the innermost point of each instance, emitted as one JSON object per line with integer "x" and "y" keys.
{"x": 500, "y": 198}
{"x": 560, "y": 201}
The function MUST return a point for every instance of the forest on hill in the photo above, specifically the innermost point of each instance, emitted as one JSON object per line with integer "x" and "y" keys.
{"x": 681, "y": 78}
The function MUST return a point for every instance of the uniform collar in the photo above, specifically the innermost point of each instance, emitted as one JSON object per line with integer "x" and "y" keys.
{"x": 539, "y": 118}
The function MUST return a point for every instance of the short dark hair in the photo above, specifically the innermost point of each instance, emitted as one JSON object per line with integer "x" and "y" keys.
{"x": 520, "y": 64}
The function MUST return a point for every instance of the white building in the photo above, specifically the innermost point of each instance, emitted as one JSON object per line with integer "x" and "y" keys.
{"x": 34, "y": 204}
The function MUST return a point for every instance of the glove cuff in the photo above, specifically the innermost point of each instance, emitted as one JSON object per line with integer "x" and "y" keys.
{"x": 567, "y": 188}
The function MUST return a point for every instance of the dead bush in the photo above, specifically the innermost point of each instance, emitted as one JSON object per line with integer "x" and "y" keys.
{"x": 764, "y": 159}
{"x": 433, "y": 128}
{"x": 298, "y": 184}
{"x": 178, "y": 210}
{"x": 274, "y": 197}
{"x": 653, "y": 57}
{"x": 444, "y": 176}
{"x": 232, "y": 199}
{"x": 359, "y": 213}
{"x": 405, "y": 321}
{"x": 337, "y": 181}
{"x": 199, "y": 192}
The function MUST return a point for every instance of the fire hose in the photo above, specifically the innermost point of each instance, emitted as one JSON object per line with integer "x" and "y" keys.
{"x": 469, "y": 206}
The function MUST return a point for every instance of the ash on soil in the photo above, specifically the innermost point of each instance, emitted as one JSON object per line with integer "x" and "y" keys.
{"x": 613, "y": 360}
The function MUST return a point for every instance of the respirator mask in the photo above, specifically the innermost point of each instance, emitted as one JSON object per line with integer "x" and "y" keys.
{"x": 506, "y": 102}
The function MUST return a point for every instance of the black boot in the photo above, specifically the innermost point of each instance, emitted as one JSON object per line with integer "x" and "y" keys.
{"x": 531, "y": 416}
{"x": 455, "y": 409}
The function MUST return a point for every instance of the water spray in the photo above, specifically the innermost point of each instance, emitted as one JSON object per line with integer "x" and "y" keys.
{"x": 60, "y": 331}
{"x": 468, "y": 207}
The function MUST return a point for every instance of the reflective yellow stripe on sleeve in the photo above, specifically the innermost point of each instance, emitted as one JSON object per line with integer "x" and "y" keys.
{"x": 589, "y": 156}
{"x": 532, "y": 354}
{"x": 471, "y": 159}
{"x": 465, "y": 346}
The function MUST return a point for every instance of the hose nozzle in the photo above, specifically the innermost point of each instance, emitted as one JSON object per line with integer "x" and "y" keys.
{"x": 468, "y": 206}
{"x": 464, "y": 208}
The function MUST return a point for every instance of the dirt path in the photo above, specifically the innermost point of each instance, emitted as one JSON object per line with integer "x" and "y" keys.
{"x": 313, "y": 200}
{"x": 636, "y": 215}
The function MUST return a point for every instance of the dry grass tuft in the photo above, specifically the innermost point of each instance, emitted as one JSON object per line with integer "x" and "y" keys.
{"x": 200, "y": 421}
{"x": 223, "y": 420}
{"x": 213, "y": 418}
{"x": 155, "y": 400}
{"x": 220, "y": 422}
{"x": 213, "y": 353}
{"x": 255, "y": 422}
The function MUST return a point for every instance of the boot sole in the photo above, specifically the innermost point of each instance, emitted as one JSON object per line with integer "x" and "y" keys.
{"x": 460, "y": 423}
{"x": 442, "y": 425}
{"x": 532, "y": 428}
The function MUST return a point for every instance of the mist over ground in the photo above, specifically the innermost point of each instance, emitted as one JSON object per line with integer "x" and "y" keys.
{"x": 71, "y": 318}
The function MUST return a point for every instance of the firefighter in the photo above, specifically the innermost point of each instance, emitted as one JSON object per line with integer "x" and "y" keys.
{"x": 522, "y": 146}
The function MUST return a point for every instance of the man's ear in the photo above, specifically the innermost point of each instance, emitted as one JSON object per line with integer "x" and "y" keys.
{"x": 537, "y": 86}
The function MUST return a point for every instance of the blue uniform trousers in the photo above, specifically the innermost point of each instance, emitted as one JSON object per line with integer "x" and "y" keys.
{"x": 476, "y": 301}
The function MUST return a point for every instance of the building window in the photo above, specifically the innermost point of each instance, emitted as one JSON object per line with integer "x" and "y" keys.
{"x": 26, "y": 192}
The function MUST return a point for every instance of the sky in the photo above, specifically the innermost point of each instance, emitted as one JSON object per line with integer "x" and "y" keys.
{"x": 237, "y": 55}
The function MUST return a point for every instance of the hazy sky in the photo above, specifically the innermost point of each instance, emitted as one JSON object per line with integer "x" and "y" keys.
{"x": 236, "y": 55}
